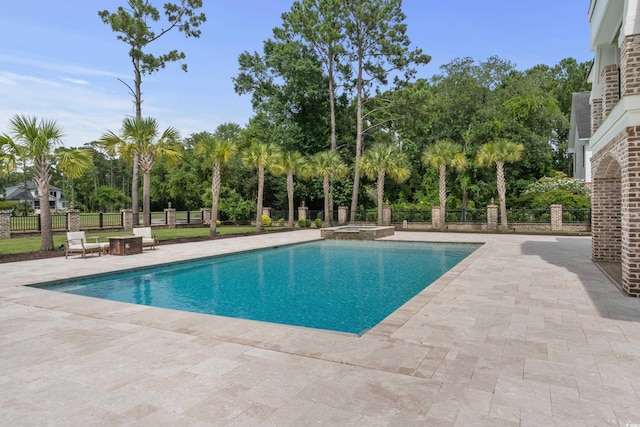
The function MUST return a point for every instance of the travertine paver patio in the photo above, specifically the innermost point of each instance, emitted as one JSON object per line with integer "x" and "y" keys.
{"x": 524, "y": 332}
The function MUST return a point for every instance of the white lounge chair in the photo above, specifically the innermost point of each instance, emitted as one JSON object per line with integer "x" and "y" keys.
{"x": 148, "y": 239}
{"x": 77, "y": 242}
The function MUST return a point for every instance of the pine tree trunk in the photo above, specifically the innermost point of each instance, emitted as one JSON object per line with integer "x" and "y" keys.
{"x": 356, "y": 171}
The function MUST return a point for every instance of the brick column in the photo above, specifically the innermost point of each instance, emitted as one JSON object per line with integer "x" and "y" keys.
{"x": 436, "y": 221}
{"x": 630, "y": 241}
{"x": 386, "y": 215}
{"x": 610, "y": 89}
{"x": 343, "y": 214}
{"x": 302, "y": 212}
{"x": 596, "y": 114}
{"x": 127, "y": 219}
{"x": 556, "y": 217}
{"x": 5, "y": 224}
{"x": 630, "y": 66}
{"x": 170, "y": 214}
{"x": 73, "y": 220}
{"x": 266, "y": 211}
{"x": 492, "y": 217}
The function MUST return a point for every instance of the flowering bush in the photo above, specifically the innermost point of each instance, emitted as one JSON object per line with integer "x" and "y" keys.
{"x": 559, "y": 182}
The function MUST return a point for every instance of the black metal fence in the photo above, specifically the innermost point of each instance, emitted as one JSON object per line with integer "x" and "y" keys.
{"x": 465, "y": 215}
{"x": 412, "y": 215}
{"x": 576, "y": 215}
{"x": 529, "y": 215}
{"x": 103, "y": 220}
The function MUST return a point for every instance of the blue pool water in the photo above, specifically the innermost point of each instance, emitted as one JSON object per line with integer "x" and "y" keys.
{"x": 347, "y": 286}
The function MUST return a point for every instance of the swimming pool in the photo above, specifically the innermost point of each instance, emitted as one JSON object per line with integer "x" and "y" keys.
{"x": 346, "y": 286}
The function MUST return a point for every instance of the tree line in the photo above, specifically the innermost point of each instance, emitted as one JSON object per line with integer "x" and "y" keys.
{"x": 337, "y": 95}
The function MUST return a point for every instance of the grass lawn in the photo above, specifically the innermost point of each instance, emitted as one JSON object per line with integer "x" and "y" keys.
{"x": 30, "y": 244}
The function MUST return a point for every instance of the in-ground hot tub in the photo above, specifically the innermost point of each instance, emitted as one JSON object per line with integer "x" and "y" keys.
{"x": 357, "y": 232}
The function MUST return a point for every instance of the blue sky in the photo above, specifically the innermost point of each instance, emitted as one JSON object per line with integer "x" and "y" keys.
{"x": 59, "y": 61}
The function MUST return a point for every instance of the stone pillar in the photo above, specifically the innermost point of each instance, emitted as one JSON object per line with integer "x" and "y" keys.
{"x": 610, "y": 89}
{"x": 630, "y": 66}
{"x": 596, "y": 114}
{"x": 73, "y": 220}
{"x": 127, "y": 219}
{"x": 343, "y": 214}
{"x": 386, "y": 215}
{"x": 266, "y": 212}
{"x": 170, "y": 214}
{"x": 206, "y": 215}
{"x": 556, "y": 217}
{"x": 436, "y": 221}
{"x": 5, "y": 224}
{"x": 302, "y": 212}
{"x": 492, "y": 217}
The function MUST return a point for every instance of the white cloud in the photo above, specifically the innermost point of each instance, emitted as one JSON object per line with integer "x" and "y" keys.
{"x": 49, "y": 65}
{"x": 74, "y": 81}
{"x": 84, "y": 112}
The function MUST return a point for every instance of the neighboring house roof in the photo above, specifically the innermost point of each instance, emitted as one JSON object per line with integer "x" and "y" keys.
{"x": 17, "y": 192}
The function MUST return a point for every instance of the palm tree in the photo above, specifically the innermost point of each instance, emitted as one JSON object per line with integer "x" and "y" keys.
{"x": 73, "y": 163}
{"x": 34, "y": 140}
{"x": 440, "y": 155}
{"x": 498, "y": 153}
{"x": 258, "y": 156}
{"x": 141, "y": 137}
{"x": 382, "y": 160}
{"x": 10, "y": 155}
{"x": 291, "y": 163}
{"x": 216, "y": 151}
{"x": 328, "y": 165}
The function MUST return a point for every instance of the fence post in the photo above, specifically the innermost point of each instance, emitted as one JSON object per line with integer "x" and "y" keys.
{"x": 556, "y": 217}
{"x": 127, "y": 219}
{"x": 386, "y": 215}
{"x": 436, "y": 222}
{"x": 302, "y": 212}
{"x": 5, "y": 224}
{"x": 492, "y": 217}
{"x": 73, "y": 220}
{"x": 205, "y": 213}
{"x": 170, "y": 214}
{"x": 343, "y": 212}
{"x": 100, "y": 220}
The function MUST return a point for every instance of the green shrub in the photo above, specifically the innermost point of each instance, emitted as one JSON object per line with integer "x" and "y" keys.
{"x": 266, "y": 221}
{"x": 318, "y": 223}
{"x": 281, "y": 222}
{"x": 9, "y": 206}
{"x": 304, "y": 223}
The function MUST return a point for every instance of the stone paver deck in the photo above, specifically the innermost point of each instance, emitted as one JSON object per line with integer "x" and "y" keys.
{"x": 525, "y": 332}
